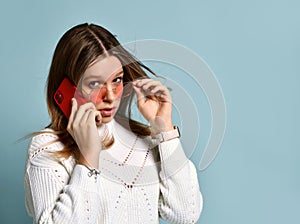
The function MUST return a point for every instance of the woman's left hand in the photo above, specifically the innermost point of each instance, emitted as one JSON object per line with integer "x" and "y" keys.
{"x": 155, "y": 104}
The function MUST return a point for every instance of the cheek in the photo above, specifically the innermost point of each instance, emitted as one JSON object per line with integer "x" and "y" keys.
{"x": 79, "y": 98}
{"x": 119, "y": 91}
{"x": 97, "y": 96}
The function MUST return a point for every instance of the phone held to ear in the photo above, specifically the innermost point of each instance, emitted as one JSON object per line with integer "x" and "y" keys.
{"x": 64, "y": 94}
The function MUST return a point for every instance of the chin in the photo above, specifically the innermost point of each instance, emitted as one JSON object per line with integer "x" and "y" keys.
{"x": 107, "y": 119}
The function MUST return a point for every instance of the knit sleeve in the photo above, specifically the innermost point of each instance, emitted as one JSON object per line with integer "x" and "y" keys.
{"x": 180, "y": 199}
{"x": 53, "y": 194}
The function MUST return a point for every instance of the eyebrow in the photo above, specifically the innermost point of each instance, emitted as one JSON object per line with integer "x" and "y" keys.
{"x": 97, "y": 76}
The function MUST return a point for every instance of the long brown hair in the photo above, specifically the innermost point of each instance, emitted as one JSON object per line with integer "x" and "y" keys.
{"x": 75, "y": 51}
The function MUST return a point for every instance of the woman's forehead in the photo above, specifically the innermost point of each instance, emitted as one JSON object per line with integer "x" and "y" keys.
{"x": 103, "y": 69}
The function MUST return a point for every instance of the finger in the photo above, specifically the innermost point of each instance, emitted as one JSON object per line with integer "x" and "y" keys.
{"x": 81, "y": 111}
{"x": 139, "y": 93}
{"x": 161, "y": 91}
{"x": 85, "y": 116}
{"x": 156, "y": 89}
{"x": 91, "y": 118}
{"x": 72, "y": 115}
{"x": 98, "y": 117}
{"x": 140, "y": 82}
{"x": 87, "y": 106}
{"x": 147, "y": 86}
{"x": 73, "y": 109}
{"x": 144, "y": 83}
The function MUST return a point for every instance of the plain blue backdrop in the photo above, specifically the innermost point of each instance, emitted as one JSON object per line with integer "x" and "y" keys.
{"x": 253, "y": 47}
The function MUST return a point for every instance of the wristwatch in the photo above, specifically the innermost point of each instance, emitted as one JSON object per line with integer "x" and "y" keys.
{"x": 168, "y": 135}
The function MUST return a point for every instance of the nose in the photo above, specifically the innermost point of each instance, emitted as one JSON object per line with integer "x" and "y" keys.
{"x": 108, "y": 95}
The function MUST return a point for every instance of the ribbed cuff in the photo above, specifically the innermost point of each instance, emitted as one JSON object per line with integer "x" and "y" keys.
{"x": 172, "y": 156}
{"x": 80, "y": 178}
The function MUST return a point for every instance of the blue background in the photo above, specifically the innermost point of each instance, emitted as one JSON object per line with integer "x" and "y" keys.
{"x": 253, "y": 48}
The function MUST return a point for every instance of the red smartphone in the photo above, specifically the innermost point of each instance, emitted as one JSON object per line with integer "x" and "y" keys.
{"x": 63, "y": 95}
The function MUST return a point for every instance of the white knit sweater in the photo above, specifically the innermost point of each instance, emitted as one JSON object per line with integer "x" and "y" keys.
{"x": 135, "y": 186}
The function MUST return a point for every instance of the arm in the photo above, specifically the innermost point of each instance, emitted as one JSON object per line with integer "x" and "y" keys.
{"x": 180, "y": 197}
{"x": 53, "y": 195}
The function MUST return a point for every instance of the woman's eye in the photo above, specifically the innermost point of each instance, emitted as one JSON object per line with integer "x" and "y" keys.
{"x": 118, "y": 79}
{"x": 94, "y": 84}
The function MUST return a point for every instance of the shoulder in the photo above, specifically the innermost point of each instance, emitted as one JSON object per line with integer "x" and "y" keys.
{"x": 43, "y": 146}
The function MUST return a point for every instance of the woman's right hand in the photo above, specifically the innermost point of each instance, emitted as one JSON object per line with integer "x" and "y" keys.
{"x": 82, "y": 127}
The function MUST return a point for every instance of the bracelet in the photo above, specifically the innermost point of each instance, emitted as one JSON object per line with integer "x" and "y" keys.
{"x": 168, "y": 135}
{"x": 92, "y": 172}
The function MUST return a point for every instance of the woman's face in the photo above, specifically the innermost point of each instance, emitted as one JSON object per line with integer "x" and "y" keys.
{"x": 102, "y": 84}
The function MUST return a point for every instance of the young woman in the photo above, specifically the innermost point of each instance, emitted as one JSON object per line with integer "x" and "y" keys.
{"x": 96, "y": 164}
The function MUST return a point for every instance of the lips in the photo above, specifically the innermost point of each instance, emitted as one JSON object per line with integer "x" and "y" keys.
{"x": 106, "y": 112}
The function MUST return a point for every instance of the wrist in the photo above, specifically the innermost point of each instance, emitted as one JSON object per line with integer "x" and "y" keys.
{"x": 167, "y": 135}
{"x": 160, "y": 126}
{"x": 93, "y": 164}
